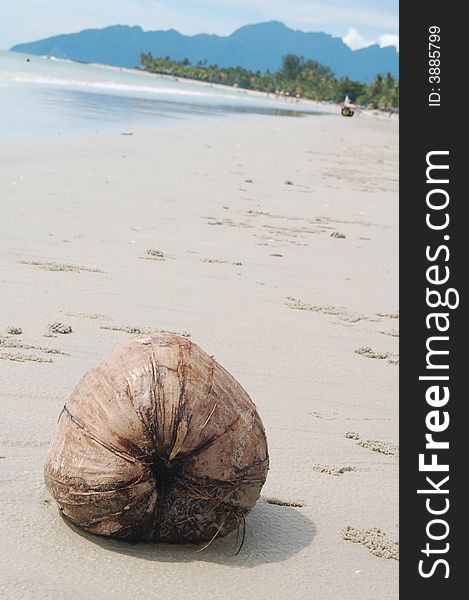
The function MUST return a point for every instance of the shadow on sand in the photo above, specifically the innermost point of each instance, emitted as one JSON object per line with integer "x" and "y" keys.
{"x": 273, "y": 534}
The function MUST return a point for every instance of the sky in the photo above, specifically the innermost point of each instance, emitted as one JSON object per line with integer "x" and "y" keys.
{"x": 358, "y": 22}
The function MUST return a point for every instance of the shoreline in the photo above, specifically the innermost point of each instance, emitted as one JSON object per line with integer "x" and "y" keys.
{"x": 326, "y": 106}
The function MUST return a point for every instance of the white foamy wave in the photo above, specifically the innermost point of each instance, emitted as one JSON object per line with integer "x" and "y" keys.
{"x": 57, "y": 59}
{"x": 110, "y": 85}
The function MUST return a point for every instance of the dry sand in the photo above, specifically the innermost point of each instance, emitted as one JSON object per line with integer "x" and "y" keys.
{"x": 195, "y": 230}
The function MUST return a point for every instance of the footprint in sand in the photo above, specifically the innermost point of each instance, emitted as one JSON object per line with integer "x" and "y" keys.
{"x": 332, "y": 416}
{"x": 52, "y": 266}
{"x": 16, "y": 344}
{"x": 392, "y": 315}
{"x": 90, "y": 316}
{"x": 14, "y": 330}
{"x": 278, "y": 502}
{"x": 368, "y": 352}
{"x": 136, "y": 330}
{"x": 326, "y": 309}
{"x": 392, "y": 333}
{"x": 386, "y": 448}
{"x": 377, "y": 542}
{"x": 220, "y": 262}
{"x": 154, "y": 253}
{"x": 18, "y": 357}
{"x": 61, "y": 328}
{"x": 228, "y": 223}
{"x": 333, "y": 470}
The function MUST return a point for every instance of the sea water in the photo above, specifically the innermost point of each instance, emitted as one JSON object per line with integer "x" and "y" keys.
{"x": 41, "y": 95}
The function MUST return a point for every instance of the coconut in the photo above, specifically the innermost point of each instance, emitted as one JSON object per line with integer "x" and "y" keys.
{"x": 158, "y": 443}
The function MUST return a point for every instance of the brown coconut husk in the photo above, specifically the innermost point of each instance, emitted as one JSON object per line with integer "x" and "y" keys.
{"x": 159, "y": 443}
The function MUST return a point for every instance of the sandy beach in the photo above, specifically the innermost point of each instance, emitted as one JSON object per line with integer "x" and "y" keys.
{"x": 273, "y": 243}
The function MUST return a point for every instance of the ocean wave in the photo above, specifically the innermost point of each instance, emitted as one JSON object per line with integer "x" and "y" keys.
{"x": 114, "y": 86}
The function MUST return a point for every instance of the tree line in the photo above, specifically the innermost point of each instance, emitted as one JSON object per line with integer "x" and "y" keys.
{"x": 296, "y": 77}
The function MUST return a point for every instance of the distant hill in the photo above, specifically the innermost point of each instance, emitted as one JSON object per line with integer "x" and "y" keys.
{"x": 255, "y": 47}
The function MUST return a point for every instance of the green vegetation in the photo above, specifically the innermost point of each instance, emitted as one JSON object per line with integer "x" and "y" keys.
{"x": 296, "y": 77}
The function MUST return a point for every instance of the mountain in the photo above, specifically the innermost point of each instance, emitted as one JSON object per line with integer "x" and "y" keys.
{"x": 256, "y": 47}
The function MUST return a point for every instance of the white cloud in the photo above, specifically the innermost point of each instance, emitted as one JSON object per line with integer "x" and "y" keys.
{"x": 354, "y": 39}
{"x": 389, "y": 39}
